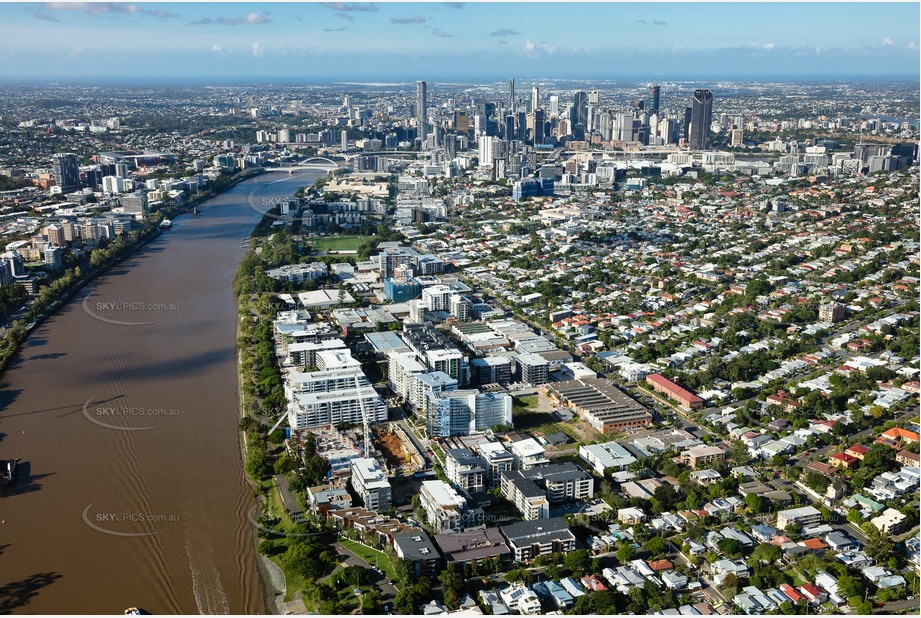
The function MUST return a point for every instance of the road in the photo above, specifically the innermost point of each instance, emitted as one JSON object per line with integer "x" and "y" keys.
{"x": 388, "y": 591}
{"x": 898, "y": 606}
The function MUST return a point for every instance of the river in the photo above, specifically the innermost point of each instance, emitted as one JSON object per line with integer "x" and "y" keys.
{"x": 123, "y": 409}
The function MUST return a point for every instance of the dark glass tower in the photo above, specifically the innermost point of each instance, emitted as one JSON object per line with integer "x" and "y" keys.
{"x": 701, "y": 117}
{"x": 654, "y": 93}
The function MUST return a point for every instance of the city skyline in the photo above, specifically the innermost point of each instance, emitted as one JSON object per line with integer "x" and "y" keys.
{"x": 399, "y": 41}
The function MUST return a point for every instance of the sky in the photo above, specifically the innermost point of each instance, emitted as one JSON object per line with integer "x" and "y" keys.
{"x": 335, "y": 41}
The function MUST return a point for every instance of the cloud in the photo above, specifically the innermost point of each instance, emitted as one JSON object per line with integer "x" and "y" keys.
{"x": 441, "y": 34}
{"x": 217, "y": 49}
{"x": 642, "y": 21}
{"x": 767, "y": 46}
{"x": 356, "y": 7}
{"x": 101, "y": 8}
{"x": 345, "y": 16}
{"x": 658, "y": 22}
{"x": 888, "y": 42}
{"x": 42, "y": 14}
{"x": 258, "y": 50}
{"x": 415, "y": 19}
{"x": 339, "y": 29}
{"x": 911, "y": 45}
{"x": 248, "y": 19}
{"x": 532, "y": 49}
{"x": 76, "y": 51}
{"x": 453, "y": 5}
{"x": 504, "y": 32}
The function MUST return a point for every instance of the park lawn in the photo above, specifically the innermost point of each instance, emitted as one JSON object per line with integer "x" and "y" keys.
{"x": 372, "y": 557}
{"x": 338, "y": 243}
{"x": 293, "y": 581}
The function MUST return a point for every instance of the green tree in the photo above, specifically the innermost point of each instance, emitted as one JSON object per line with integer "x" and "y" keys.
{"x": 849, "y": 586}
{"x": 577, "y": 561}
{"x": 656, "y": 546}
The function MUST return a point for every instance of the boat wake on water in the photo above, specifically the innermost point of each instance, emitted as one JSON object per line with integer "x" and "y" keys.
{"x": 206, "y": 580}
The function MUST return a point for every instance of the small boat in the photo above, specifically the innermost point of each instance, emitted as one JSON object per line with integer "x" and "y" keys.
{"x": 8, "y": 469}
{"x": 166, "y": 224}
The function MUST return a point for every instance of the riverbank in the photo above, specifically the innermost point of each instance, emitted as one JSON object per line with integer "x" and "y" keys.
{"x": 260, "y": 400}
{"x": 12, "y": 341}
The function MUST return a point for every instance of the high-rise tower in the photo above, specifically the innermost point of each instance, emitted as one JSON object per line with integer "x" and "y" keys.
{"x": 66, "y": 171}
{"x": 701, "y": 116}
{"x": 654, "y": 93}
{"x": 421, "y": 110}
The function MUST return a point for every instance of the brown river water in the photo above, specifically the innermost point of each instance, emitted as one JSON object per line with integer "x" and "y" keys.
{"x": 123, "y": 410}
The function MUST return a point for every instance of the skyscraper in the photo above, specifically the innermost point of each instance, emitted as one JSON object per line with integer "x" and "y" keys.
{"x": 535, "y": 99}
{"x": 654, "y": 93}
{"x": 701, "y": 113}
{"x": 511, "y": 95}
{"x": 421, "y": 109}
{"x": 66, "y": 171}
{"x": 578, "y": 115}
{"x": 554, "y": 106}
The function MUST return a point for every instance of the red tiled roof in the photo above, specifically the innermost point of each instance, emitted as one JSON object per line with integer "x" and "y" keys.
{"x": 673, "y": 388}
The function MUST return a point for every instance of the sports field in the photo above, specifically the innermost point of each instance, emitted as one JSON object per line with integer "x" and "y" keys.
{"x": 338, "y": 243}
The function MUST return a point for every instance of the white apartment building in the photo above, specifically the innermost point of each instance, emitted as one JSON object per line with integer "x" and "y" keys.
{"x": 443, "y": 506}
{"x": 496, "y": 460}
{"x": 528, "y": 454}
{"x": 371, "y": 485}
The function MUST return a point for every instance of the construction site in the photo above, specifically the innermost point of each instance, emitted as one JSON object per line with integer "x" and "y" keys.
{"x": 398, "y": 451}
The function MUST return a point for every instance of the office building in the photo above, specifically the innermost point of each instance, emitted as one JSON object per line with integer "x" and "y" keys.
{"x": 578, "y": 114}
{"x": 511, "y": 95}
{"x": 421, "y": 110}
{"x": 535, "y": 99}
{"x": 371, "y": 485}
{"x": 66, "y": 171}
{"x": 134, "y": 203}
{"x": 701, "y": 118}
{"x": 654, "y": 92}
